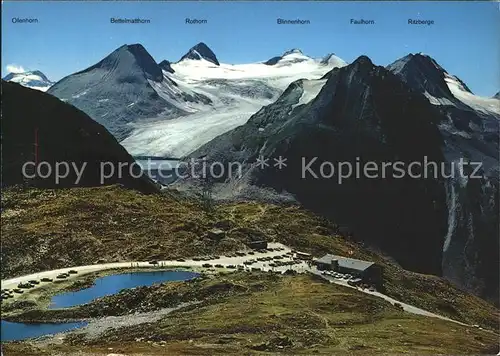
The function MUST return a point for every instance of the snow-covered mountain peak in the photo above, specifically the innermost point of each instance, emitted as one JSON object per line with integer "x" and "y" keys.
{"x": 201, "y": 52}
{"x": 292, "y": 51}
{"x": 332, "y": 60}
{"x": 288, "y": 58}
{"x": 31, "y": 79}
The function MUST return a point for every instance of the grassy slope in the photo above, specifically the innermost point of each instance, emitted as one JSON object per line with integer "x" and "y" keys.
{"x": 249, "y": 313}
{"x": 46, "y": 229}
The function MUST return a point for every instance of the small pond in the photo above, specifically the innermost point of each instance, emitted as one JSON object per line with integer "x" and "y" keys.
{"x": 109, "y": 285}
{"x": 19, "y": 331}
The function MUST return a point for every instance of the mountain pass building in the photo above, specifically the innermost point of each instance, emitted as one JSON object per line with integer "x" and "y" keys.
{"x": 367, "y": 271}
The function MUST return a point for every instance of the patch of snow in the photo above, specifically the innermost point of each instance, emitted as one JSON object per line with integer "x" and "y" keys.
{"x": 332, "y": 61}
{"x": 437, "y": 101}
{"x": 485, "y": 105}
{"x": 76, "y": 96}
{"x": 311, "y": 89}
{"x": 40, "y": 88}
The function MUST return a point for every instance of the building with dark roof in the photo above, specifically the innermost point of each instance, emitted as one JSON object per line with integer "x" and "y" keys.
{"x": 257, "y": 245}
{"x": 368, "y": 271}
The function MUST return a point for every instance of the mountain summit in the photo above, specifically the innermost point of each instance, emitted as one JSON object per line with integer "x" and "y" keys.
{"x": 129, "y": 60}
{"x": 291, "y": 56}
{"x": 332, "y": 60}
{"x": 423, "y": 72}
{"x": 201, "y": 51}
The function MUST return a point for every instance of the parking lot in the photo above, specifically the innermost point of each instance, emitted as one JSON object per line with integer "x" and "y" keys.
{"x": 276, "y": 257}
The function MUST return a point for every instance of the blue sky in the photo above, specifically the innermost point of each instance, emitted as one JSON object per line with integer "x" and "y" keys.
{"x": 71, "y": 36}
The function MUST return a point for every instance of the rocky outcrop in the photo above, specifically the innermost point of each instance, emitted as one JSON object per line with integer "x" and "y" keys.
{"x": 201, "y": 51}
{"x": 37, "y": 127}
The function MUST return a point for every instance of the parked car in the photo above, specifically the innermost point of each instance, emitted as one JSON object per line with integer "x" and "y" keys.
{"x": 231, "y": 266}
{"x": 17, "y": 290}
{"x": 219, "y": 266}
{"x": 206, "y": 265}
{"x": 34, "y": 281}
{"x": 181, "y": 260}
{"x": 46, "y": 279}
{"x": 72, "y": 271}
{"x": 61, "y": 276}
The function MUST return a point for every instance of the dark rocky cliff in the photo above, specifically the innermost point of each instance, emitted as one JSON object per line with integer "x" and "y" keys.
{"x": 63, "y": 134}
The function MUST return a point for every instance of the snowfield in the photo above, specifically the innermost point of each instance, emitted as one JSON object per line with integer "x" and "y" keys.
{"x": 181, "y": 136}
{"x": 485, "y": 105}
{"x": 235, "y": 93}
{"x": 311, "y": 90}
{"x": 34, "y": 80}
